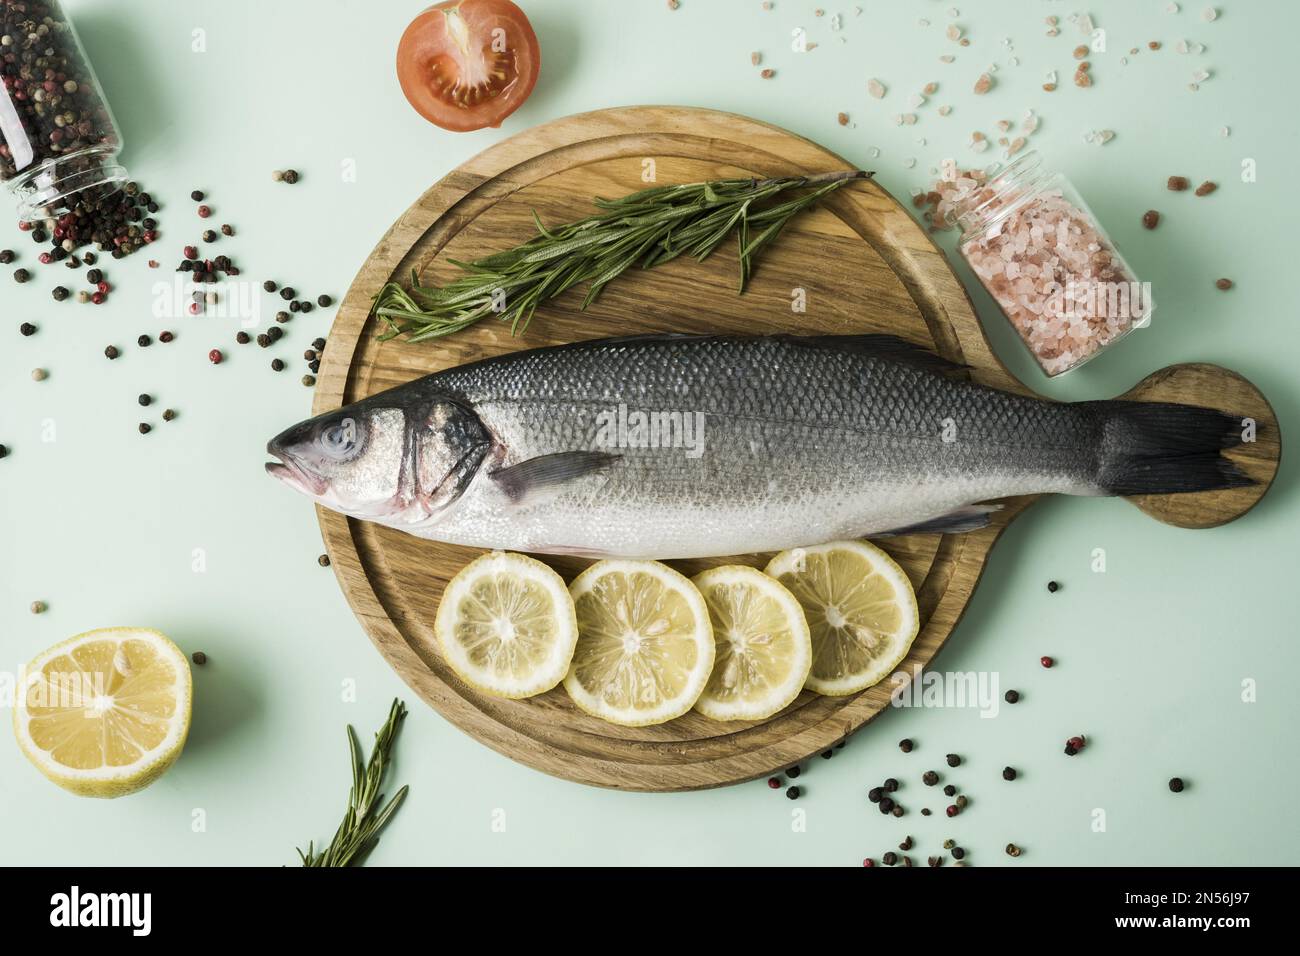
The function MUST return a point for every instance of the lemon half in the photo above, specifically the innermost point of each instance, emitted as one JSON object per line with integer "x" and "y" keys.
{"x": 645, "y": 645}
{"x": 506, "y": 625}
{"x": 763, "y": 647}
{"x": 861, "y": 612}
{"x": 105, "y": 713}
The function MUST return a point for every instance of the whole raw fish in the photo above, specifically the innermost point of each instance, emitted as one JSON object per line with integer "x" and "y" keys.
{"x": 672, "y": 446}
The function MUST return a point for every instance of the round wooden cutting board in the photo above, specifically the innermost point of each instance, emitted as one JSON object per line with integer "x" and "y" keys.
{"x": 859, "y": 263}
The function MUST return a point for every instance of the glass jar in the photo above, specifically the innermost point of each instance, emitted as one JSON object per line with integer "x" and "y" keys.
{"x": 1043, "y": 257}
{"x": 57, "y": 134}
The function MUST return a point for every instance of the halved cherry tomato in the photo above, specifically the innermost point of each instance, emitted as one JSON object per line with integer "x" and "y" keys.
{"x": 466, "y": 64}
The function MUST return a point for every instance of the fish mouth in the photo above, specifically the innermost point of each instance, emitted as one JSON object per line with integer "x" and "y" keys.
{"x": 291, "y": 474}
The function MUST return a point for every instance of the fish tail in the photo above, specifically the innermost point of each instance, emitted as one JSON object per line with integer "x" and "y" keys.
{"x": 1154, "y": 448}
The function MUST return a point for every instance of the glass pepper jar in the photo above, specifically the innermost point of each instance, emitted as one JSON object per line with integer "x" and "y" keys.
{"x": 1042, "y": 255}
{"x": 58, "y": 139}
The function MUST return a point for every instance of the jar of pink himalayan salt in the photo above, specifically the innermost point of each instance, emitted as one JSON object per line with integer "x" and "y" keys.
{"x": 1047, "y": 262}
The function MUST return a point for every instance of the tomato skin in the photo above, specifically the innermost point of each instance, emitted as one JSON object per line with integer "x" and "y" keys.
{"x": 453, "y": 70}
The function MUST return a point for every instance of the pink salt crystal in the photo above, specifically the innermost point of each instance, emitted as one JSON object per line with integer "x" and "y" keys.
{"x": 983, "y": 84}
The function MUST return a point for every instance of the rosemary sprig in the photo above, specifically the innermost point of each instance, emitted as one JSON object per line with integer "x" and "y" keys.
{"x": 646, "y": 228}
{"x": 359, "y": 831}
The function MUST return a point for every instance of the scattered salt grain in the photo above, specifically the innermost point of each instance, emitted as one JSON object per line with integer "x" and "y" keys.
{"x": 953, "y": 32}
{"x": 930, "y": 89}
{"x": 755, "y": 58}
{"x": 983, "y": 84}
{"x": 1015, "y": 146}
{"x": 910, "y": 162}
{"x": 1200, "y": 76}
{"x": 1085, "y": 24}
{"x": 1014, "y": 61}
{"x": 875, "y": 88}
{"x": 873, "y": 152}
{"x": 915, "y": 101}
{"x": 922, "y": 23}
{"x": 909, "y": 119}
{"x": 947, "y": 58}
{"x": 1029, "y": 125}
{"x": 1209, "y": 14}
{"x": 1225, "y": 132}
{"x": 1004, "y": 125}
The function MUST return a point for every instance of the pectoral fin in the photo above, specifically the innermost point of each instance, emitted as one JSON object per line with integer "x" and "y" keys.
{"x": 528, "y": 479}
{"x": 970, "y": 518}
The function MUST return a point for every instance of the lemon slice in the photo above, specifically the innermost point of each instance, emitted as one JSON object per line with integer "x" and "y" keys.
{"x": 861, "y": 610}
{"x": 645, "y": 645}
{"x": 506, "y": 625}
{"x": 105, "y": 713}
{"x": 761, "y": 642}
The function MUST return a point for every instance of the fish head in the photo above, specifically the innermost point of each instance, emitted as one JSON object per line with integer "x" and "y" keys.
{"x": 393, "y": 462}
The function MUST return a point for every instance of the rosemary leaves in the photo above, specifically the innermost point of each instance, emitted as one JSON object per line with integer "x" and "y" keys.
{"x": 359, "y": 831}
{"x": 646, "y": 228}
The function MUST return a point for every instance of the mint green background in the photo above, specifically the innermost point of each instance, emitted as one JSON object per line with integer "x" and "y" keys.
{"x": 1152, "y": 654}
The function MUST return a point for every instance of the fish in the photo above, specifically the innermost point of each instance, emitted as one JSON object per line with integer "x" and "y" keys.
{"x": 671, "y": 446}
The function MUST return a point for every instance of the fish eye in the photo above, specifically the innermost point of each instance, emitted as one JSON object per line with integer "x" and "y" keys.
{"x": 339, "y": 440}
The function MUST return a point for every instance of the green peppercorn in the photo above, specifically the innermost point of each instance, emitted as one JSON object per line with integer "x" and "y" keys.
{"x": 1013, "y": 850}
{"x": 309, "y": 380}
{"x": 199, "y": 658}
{"x": 21, "y": 275}
{"x": 168, "y": 415}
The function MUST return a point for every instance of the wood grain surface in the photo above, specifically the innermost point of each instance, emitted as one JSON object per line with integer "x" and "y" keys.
{"x": 864, "y": 265}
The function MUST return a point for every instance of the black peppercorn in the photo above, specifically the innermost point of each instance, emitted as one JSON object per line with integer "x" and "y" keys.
{"x": 275, "y": 333}
{"x": 314, "y": 365}
{"x": 792, "y": 793}
{"x": 144, "y": 341}
{"x": 324, "y": 301}
{"x": 263, "y": 340}
{"x": 875, "y": 794}
{"x": 890, "y": 858}
{"x": 242, "y": 338}
{"x": 60, "y": 293}
{"x": 898, "y": 810}
{"x": 227, "y": 229}
{"x": 288, "y": 293}
{"x": 318, "y": 344}
{"x": 958, "y": 853}
{"x": 929, "y": 778}
{"x": 269, "y": 285}
{"x": 1053, "y": 587}
{"x": 1008, "y": 773}
{"x": 905, "y": 745}
{"x": 290, "y": 176}
{"x": 144, "y": 428}
{"x": 792, "y": 772}
{"x": 1013, "y": 697}
{"x": 21, "y": 275}
{"x": 294, "y": 306}
{"x": 6, "y": 256}
{"x": 197, "y": 195}
{"x": 209, "y": 235}
{"x": 1176, "y": 784}
{"x": 277, "y": 365}
{"x": 27, "y": 329}
{"x": 953, "y": 760}
{"x": 886, "y": 804}
{"x": 323, "y": 560}
{"x": 309, "y": 355}
{"x": 199, "y": 658}
{"x": 891, "y": 785}
{"x": 144, "y": 399}
{"x": 309, "y": 380}
{"x": 304, "y": 306}
{"x": 111, "y": 352}
{"x": 950, "y": 791}
{"x": 4, "y": 452}
{"x": 282, "y": 317}
{"x": 169, "y": 414}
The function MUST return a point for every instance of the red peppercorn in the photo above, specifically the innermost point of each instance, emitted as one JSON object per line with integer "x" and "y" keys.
{"x": 194, "y": 308}
{"x": 1046, "y": 661}
{"x": 45, "y": 258}
{"x": 25, "y": 226}
{"x": 191, "y": 252}
{"x": 953, "y": 810}
{"x": 98, "y": 298}
{"x": 204, "y": 212}
{"x": 774, "y": 783}
{"x": 868, "y": 862}
{"x": 104, "y": 287}
{"x": 1077, "y": 743}
{"x": 215, "y": 356}
{"x": 165, "y": 336}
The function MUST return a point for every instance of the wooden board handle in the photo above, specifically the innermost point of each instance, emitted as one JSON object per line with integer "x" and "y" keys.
{"x": 1214, "y": 387}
